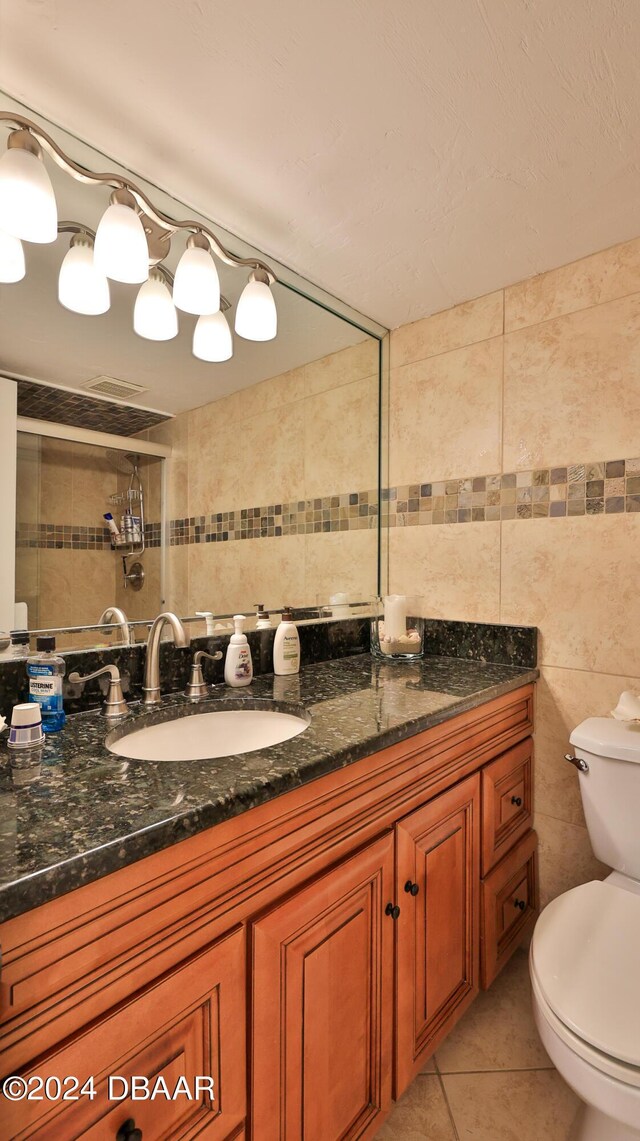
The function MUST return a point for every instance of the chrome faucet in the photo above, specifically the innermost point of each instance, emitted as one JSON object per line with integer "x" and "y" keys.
{"x": 118, "y": 617}
{"x": 151, "y": 685}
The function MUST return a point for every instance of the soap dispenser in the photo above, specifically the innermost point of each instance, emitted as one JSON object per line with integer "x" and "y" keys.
{"x": 238, "y": 667}
{"x": 263, "y": 621}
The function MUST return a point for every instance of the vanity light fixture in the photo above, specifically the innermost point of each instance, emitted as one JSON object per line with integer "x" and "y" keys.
{"x": 132, "y": 237}
{"x": 12, "y": 267}
{"x": 196, "y": 287}
{"x": 154, "y": 313}
{"x": 212, "y": 339}
{"x": 27, "y": 203}
{"x": 256, "y": 316}
{"x": 81, "y": 286}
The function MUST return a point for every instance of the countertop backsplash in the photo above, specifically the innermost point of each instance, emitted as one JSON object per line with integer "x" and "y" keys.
{"x": 320, "y": 642}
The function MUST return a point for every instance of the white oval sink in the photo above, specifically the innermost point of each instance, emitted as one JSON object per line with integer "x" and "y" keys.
{"x": 206, "y": 735}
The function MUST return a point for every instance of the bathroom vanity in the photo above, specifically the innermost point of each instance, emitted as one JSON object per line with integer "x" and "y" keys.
{"x": 303, "y": 924}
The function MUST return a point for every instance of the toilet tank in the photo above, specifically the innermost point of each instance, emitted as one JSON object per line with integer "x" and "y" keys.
{"x": 610, "y": 789}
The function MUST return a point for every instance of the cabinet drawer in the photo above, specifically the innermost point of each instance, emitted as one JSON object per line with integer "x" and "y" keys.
{"x": 509, "y": 906}
{"x": 190, "y": 1024}
{"x": 507, "y": 807}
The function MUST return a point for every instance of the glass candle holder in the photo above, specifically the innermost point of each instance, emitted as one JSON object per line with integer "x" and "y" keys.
{"x": 395, "y": 632}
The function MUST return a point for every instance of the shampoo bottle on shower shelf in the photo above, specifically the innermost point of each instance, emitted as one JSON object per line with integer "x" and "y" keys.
{"x": 45, "y": 670}
{"x": 238, "y": 667}
{"x": 286, "y": 646}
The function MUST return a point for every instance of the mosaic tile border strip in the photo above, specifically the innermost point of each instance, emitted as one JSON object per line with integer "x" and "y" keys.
{"x": 351, "y": 511}
{"x": 68, "y": 536}
{"x": 609, "y": 487}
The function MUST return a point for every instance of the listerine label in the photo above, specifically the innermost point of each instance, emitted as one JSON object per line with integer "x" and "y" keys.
{"x": 45, "y": 687}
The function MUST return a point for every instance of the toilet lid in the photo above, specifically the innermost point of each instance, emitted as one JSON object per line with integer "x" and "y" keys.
{"x": 586, "y": 956}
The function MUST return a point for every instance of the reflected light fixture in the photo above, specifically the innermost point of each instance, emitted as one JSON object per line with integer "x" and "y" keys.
{"x": 132, "y": 236}
{"x": 12, "y": 267}
{"x": 27, "y": 203}
{"x": 81, "y": 287}
{"x": 154, "y": 313}
{"x": 256, "y": 316}
{"x": 196, "y": 288}
{"x": 212, "y": 339}
{"x": 121, "y": 250}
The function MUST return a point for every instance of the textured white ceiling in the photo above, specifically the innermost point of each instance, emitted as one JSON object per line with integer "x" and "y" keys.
{"x": 405, "y": 156}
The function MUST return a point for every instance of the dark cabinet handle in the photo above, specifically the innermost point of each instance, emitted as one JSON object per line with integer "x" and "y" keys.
{"x": 520, "y": 903}
{"x": 392, "y": 910}
{"x": 517, "y": 800}
{"x": 411, "y": 888}
{"x": 128, "y": 1131}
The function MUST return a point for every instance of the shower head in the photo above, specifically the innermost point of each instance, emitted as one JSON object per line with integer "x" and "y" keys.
{"x": 127, "y": 462}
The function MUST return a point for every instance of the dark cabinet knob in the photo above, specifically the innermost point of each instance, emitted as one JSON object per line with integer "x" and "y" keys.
{"x": 392, "y": 910}
{"x": 520, "y": 904}
{"x": 128, "y": 1131}
{"x": 411, "y": 888}
{"x": 517, "y": 800}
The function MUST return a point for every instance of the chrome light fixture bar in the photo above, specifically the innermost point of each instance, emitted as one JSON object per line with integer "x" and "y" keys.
{"x": 28, "y": 212}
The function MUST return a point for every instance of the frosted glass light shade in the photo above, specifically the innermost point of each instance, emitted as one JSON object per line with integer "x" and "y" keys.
{"x": 154, "y": 314}
{"x": 212, "y": 338}
{"x": 12, "y": 267}
{"x": 256, "y": 316}
{"x": 121, "y": 251}
{"x": 81, "y": 287}
{"x": 27, "y": 203}
{"x": 196, "y": 288}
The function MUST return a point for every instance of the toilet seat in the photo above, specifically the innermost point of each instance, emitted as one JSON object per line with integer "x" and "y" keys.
{"x": 584, "y": 959}
{"x": 604, "y": 1063}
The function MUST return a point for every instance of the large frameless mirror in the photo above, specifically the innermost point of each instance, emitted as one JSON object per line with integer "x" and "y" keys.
{"x": 251, "y": 479}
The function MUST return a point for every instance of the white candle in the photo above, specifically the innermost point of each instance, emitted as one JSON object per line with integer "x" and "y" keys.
{"x": 395, "y": 616}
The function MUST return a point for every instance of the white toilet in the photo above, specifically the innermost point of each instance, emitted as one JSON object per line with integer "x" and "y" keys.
{"x": 585, "y": 952}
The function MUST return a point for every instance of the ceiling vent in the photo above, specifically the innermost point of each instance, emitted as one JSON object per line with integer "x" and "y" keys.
{"x": 118, "y": 389}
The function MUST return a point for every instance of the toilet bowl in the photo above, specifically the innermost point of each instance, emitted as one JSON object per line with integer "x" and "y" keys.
{"x": 584, "y": 959}
{"x": 584, "y": 965}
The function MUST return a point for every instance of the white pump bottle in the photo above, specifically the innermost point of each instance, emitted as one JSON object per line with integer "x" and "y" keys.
{"x": 238, "y": 667}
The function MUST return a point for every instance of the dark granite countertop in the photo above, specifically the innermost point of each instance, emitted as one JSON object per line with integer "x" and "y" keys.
{"x": 73, "y": 811}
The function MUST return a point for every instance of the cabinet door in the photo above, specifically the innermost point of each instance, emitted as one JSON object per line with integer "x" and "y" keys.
{"x": 190, "y": 1024}
{"x": 322, "y": 1005}
{"x": 438, "y": 883}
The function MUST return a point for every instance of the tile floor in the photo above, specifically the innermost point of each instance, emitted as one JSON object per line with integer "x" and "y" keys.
{"x": 491, "y": 1080}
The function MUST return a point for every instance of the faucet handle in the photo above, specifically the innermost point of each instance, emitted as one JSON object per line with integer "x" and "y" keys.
{"x": 115, "y": 705}
{"x": 197, "y": 686}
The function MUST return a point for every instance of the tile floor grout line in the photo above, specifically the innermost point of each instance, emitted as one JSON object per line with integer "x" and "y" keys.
{"x": 510, "y": 1070}
{"x": 449, "y": 1110}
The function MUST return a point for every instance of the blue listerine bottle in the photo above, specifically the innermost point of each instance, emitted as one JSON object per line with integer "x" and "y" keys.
{"x": 45, "y": 670}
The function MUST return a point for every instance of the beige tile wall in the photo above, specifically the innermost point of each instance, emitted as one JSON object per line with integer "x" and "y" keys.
{"x": 310, "y": 432}
{"x": 545, "y": 372}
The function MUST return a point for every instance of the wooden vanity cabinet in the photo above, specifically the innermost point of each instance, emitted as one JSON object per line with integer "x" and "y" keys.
{"x": 348, "y": 917}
